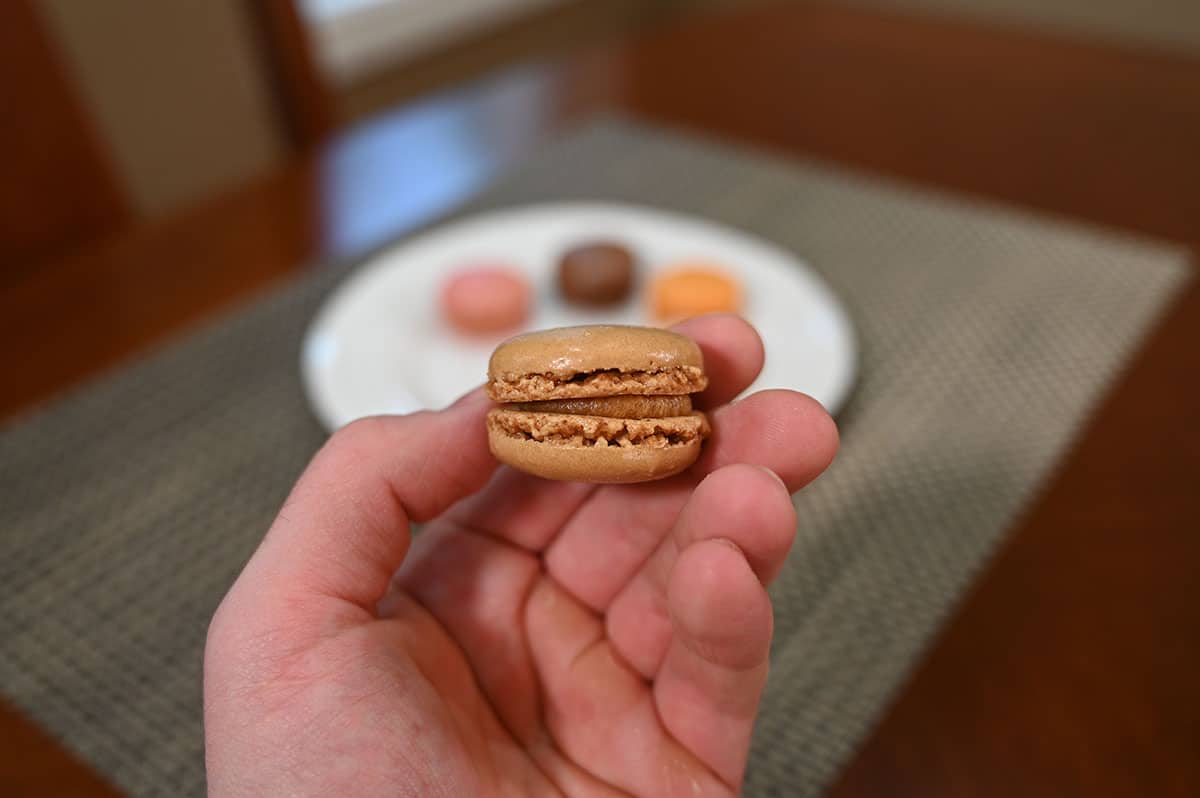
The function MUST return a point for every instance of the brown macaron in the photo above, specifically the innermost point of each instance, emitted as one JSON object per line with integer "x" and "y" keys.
{"x": 600, "y": 403}
{"x": 600, "y": 273}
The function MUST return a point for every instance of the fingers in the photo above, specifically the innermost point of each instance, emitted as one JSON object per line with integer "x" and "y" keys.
{"x": 605, "y": 543}
{"x": 520, "y": 509}
{"x": 733, "y": 355}
{"x": 708, "y": 690}
{"x": 476, "y": 587}
{"x": 529, "y": 511}
{"x": 784, "y": 431}
{"x": 597, "y": 710}
{"x": 746, "y": 505}
{"x": 345, "y": 528}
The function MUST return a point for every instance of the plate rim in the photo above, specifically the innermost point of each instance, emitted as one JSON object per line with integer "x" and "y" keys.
{"x": 360, "y": 269}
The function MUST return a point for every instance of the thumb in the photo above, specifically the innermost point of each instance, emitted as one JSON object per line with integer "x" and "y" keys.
{"x": 344, "y": 530}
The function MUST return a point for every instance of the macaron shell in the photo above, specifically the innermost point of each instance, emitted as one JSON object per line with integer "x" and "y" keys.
{"x": 539, "y": 387}
{"x": 486, "y": 299}
{"x": 642, "y": 457}
{"x": 600, "y": 273}
{"x": 566, "y": 351}
{"x": 562, "y": 427}
{"x": 693, "y": 290}
{"x": 610, "y": 464}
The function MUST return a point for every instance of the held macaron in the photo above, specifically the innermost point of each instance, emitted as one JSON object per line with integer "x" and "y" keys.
{"x": 600, "y": 403}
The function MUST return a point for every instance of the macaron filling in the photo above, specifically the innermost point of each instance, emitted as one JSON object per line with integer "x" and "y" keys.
{"x": 612, "y": 406}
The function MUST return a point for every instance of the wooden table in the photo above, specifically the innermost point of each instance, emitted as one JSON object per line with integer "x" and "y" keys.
{"x": 1072, "y": 666}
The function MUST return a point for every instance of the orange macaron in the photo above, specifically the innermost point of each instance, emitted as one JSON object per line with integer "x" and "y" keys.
{"x": 693, "y": 289}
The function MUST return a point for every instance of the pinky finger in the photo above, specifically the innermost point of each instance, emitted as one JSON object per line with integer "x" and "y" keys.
{"x": 708, "y": 689}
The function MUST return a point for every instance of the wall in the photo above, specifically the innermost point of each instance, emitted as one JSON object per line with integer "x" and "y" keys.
{"x": 1161, "y": 24}
{"x": 1168, "y": 24}
{"x": 549, "y": 31}
{"x": 361, "y": 39}
{"x": 176, "y": 89}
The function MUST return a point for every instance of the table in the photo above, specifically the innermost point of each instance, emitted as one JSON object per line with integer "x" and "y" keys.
{"x": 1070, "y": 667}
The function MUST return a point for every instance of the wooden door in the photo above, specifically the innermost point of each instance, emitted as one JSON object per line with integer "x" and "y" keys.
{"x": 57, "y": 190}
{"x": 301, "y": 90}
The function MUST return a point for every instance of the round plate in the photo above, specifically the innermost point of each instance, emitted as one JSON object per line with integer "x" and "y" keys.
{"x": 379, "y": 344}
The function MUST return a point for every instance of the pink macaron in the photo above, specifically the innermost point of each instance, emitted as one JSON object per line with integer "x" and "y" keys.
{"x": 486, "y": 298}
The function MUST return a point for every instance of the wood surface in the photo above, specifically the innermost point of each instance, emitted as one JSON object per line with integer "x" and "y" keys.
{"x": 1071, "y": 667}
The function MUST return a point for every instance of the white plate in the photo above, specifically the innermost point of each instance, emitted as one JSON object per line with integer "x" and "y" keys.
{"x": 379, "y": 345}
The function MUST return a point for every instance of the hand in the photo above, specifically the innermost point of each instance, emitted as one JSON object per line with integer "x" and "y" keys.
{"x": 537, "y": 638}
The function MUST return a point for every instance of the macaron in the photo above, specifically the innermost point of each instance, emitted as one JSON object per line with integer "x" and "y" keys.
{"x": 486, "y": 299}
{"x": 598, "y": 403}
{"x": 693, "y": 289}
{"x": 599, "y": 273}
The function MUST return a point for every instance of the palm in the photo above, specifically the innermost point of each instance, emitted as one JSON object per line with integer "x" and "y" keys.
{"x": 538, "y": 638}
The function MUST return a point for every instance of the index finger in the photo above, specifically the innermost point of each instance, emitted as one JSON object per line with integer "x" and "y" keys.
{"x": 344, "y": 530}
{"x": 733, "y": 355}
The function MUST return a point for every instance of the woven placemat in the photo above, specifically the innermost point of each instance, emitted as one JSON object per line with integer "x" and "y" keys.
{"x": 127, "y": 508}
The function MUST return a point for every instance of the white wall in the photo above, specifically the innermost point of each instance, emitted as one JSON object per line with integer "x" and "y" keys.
{"x": 355, "y": 38}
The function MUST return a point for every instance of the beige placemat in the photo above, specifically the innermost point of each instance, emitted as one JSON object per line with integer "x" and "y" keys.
{"x": 127, "y": 508}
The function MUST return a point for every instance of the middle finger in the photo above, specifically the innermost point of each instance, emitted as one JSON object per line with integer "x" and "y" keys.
{"x": 614, "y": 532}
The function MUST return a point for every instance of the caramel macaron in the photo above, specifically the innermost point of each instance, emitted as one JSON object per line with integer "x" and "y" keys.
{"x": 599, "y": 403}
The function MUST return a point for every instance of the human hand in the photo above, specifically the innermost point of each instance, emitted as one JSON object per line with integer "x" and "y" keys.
{"x": 537, "y": 638}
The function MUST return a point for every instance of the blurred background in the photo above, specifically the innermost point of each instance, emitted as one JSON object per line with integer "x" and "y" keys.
{"x": 144, "y": 107}
{"x": 374, "y": 115}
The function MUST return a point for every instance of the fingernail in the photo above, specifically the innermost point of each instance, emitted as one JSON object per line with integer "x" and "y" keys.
{"x": 775, "y": 476}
